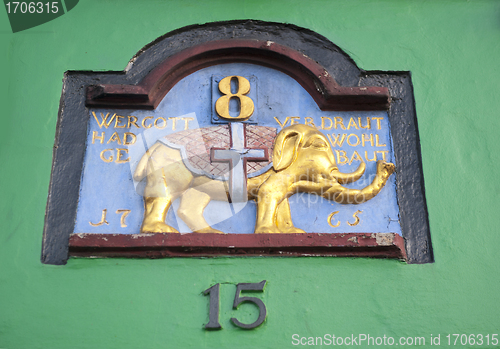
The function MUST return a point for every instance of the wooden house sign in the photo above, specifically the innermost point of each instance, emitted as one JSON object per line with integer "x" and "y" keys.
{"x": 237, "y": 138}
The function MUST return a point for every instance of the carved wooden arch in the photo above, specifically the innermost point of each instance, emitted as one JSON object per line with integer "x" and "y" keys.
{"x": 315, "y": 79}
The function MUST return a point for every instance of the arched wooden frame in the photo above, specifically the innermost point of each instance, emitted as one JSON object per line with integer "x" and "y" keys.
{"x": 315, "y": 79}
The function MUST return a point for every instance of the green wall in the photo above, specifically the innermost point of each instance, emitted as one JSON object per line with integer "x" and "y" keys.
{"x": 452, "y": 49}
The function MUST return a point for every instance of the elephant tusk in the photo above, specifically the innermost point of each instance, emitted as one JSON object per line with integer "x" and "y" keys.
{"x": 345, "y": 178}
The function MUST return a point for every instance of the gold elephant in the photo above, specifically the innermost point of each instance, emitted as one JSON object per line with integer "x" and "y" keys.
{"x": 303, "y": 161}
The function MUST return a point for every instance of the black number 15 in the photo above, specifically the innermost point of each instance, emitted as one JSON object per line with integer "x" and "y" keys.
{"x": 213, "y": 314}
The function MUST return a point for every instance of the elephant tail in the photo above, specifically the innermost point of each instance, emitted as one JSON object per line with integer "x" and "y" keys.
{"x": 142, "y": 167}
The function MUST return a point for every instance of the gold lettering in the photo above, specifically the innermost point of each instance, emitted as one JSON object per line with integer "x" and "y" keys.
{"x": 355, "y": 215}
{"x": 115, "y": 138}
{"x": 164, "y": 123}
{"x": 103, "y": 219}
{"x": 95, "y": 136}
{"x": 144, "y": 122}
{"x": 355, "y": 156}
{"x": 309, "y": 121}
{"x": 119, "y": 156}
{"x": 377, "y": 142}
{"x": 110, "y": 158}
{"x": 374, "y": 156}
{"x": 186, "y": 122}
{"x": 132, "y": 137}
{"x": 330, "y": 220}
{"x": 349, "y": 142}
{"x": 282, "y": 124}
{"x": 353, "y": 123}
{"x": 174, "y": 123}
{"x": 378, "y": 122}
{"x": 105, "y": 121}
{"x": 363, "y": 139}
{"x": 323, "y": 126}
{"x": 124, "y": 213}
{"x": 368, "y": 123}
{"x": 246, "y": 103}
{"x": 118, "y": 120}
{"x": 384, "y": 153}
{"x": 342, "y": 156}
{"x": 338, "y": 121}
{"x": 132, "y": 120}
{"x": 335, "y": 142}
{"x": 295, "y": 120}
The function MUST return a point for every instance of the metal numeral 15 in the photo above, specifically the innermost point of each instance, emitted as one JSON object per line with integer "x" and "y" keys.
{"x": 213, "y": 314}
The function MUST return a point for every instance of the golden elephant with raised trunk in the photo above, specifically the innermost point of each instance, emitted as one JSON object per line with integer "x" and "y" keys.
{"x": 303, "y": 161}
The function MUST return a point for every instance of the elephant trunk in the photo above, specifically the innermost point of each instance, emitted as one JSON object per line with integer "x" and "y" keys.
{"x": 344, "y": 178}
{"x": 343, "y": 195}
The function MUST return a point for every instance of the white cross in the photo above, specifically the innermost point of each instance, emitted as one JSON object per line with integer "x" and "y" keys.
{"x": 237, "y": 156}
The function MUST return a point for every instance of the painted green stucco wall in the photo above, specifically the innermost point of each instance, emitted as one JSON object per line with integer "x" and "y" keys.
{"x": 452, "y": 49}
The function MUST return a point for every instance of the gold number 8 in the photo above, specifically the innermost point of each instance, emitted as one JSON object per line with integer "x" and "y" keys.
{"x": 246, "y": 103}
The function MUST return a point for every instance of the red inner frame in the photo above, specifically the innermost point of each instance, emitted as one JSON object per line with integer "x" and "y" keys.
{"x": 210, "y": 245}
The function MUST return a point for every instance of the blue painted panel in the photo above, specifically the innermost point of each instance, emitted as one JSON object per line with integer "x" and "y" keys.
{"x": 279, "y": 100}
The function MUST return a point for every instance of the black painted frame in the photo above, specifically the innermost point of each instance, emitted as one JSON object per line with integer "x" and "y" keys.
{"x": 71, "y": 131}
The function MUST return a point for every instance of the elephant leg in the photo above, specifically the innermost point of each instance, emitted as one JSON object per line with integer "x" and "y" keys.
{"x": 167, "y": 179}
{"x": 284, "y": 219}
{"x": 155, "y": 213}
{"x": 270, "y": 195}
{"x": 193, "y": 203}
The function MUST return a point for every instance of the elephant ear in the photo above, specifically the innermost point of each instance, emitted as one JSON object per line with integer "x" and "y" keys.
{"x": 285, "y": 148}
